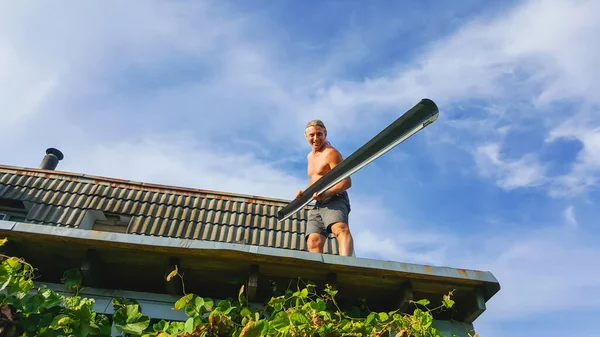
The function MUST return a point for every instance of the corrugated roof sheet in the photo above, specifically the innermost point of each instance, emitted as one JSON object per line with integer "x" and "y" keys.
{"x": 62, "y": 199}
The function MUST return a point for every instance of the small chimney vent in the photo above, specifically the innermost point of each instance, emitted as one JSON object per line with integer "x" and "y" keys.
{"x": 51, "y": 159}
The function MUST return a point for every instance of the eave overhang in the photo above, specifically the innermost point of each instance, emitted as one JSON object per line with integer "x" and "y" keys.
{"x": 139, "y": 263}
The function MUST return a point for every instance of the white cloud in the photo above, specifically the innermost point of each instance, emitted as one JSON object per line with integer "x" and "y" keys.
{"x": 514, "y": 55}
{"x": 182, "y": 161}
{"x": 24, "y": 85}
{"x": 64, "y": 75}
{"x": 570, "y": 216}
{"x": 509, "y": 174}
{"x": 537, "y": 269}
{"x": 584, "y": 174}
{"x": 519, "y": 63}
{"x": 83, "y": 66}
{"x": 385, "y": 235}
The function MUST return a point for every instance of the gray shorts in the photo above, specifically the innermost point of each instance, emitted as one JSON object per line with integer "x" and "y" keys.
{"x": 326, "y": 213}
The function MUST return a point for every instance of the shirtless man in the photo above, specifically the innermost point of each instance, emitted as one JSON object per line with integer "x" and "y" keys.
{"x": 330, "y": 214}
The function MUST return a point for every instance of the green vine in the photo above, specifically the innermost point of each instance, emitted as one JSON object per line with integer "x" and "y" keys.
{"x": 29, "y": 311}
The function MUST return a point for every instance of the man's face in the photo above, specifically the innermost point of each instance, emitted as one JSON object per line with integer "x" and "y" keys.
{"x": 315, "y": 135}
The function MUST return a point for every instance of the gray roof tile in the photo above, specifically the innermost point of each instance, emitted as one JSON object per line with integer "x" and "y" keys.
{"x": 62, "y": 199}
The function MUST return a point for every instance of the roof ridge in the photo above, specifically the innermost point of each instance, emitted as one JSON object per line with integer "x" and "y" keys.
{"x": 115, "y": 182}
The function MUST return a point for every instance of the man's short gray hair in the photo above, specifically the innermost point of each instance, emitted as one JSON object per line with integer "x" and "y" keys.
{"x": 316, "y": 122}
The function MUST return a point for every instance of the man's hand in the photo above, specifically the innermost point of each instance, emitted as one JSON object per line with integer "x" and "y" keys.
{"x": 319, "y": 197}
{"x": 298, "y": 194}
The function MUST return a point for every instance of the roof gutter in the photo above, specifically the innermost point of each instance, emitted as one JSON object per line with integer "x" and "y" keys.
{"x": 278, "y": 255}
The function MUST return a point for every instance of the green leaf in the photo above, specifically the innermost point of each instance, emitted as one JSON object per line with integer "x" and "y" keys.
{"x": 208, "y": 304}
{"x": 383, "y": 316}
{"x": 255, "y": 329}
{"x": 304, "y": 293}
{"x": 5, "y": 277}
{"x": 103, "y": 323}
{"x": 189, "y": 325}
{"x": 13, "y": 263}
{"x": 3, "y": 241}
{"x": 32, "y": 303}
{"x": 172, "y": 274}
{"x": 19, "y": 286}
{"x": 277, "y": 303}
{"x": 326, "y": 315}
{"x": 397, "y": 317}
{"x": 370, "y": 319}
{"x": 245, "y": 312}
{"x": 182, "y": 302}
{"x": 84, "y": 312}
{"x": 330, "y": 291}
{"x": 199, "y": 302}
{"x": 161, "y": 326}
{"x": 45, "y": 320}
{"x": 280, "y": 321}
{"x": 263, "y": 325}
{"x": 447, "y": 302}
{"x": 51, "y": 298}
{"x": 31, "y": 322}
{"x": 346, "y": 325}
{"x": 176, "y": 328}
{"x": 121, "y": 302}
{"x": 72, "y": 279}
{"x": 426, "y": 320}
{"x": 241, "y": 297}
{"x": 191, "y": 310}
{"x": 62, "y": 322}
{"x": 423, "y": 302}
{"x": 298, "y": 319}
{"x": 130, "y": 320}
{"x": 224, "y": 305}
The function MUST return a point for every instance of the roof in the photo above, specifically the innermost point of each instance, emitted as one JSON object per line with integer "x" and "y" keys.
{"x": 62, "y": 198}
{"x": 220, "y": 239}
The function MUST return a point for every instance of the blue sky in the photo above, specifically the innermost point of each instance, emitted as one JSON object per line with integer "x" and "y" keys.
{"x": 215, "y": 95}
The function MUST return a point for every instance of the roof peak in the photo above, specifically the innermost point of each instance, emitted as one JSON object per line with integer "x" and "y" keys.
{"x": 116, "y": 182}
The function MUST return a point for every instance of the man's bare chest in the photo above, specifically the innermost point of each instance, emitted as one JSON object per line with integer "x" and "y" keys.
{"x": 317, "y": 166}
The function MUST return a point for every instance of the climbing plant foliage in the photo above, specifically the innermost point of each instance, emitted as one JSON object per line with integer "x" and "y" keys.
{"x": 27, "y": 310}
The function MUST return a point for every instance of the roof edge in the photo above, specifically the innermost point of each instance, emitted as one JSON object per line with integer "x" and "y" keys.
{"x": 490, "y": 283}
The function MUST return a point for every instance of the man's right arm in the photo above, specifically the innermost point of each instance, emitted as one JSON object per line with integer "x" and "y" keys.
{"x": 333, "y": 159}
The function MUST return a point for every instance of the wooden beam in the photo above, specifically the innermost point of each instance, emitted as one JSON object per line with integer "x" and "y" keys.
{"x": 477, "y": 308}
{"x": 91, "y": 269}
{"x": 252, "y": 285}
{"x": 331, "y": 279}
{"x": 405, "y": 296}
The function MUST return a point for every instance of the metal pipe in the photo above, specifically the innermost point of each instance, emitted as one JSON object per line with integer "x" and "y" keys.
{"x": 51, "y": 159}
{"x": 418, "y": 117}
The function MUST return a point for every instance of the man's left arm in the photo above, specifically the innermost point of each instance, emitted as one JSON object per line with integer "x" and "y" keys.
{"x": 333, "y": 158}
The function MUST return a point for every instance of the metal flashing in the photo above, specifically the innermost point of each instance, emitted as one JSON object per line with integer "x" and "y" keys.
{"x": 191, "y": 246}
